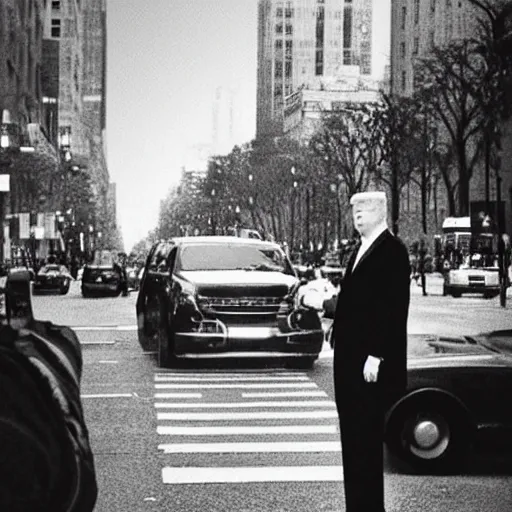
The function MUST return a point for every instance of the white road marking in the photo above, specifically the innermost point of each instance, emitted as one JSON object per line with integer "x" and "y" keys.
{"x": 108, "y": 362}
{"x": 243, "y": 405}
{"x": 104, "y": 327}
{"x": 229, "y": 379}
{"x": 178, "y": 395}
{"x": 248, "y": 430}
{"x": 232, "y": 386}
{"x": 275, "y": 447}
{"x": 97, "y": 342}
{"x": 205, "y": 375}
{"x": 199, "y": 475}
{"x": 283, "y": 394}
{"x": 109, "y": 395}
{"x": 244, "y": 416}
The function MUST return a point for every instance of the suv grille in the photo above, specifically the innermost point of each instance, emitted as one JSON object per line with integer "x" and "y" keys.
{"x": 238, "y": 305}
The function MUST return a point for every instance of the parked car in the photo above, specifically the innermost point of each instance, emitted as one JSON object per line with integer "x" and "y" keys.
{"x": 52, "y": 277}
{"x": 104, "y": 276}
{"x": 222, "y": 296}
{"x": 472, "y": 280}
{"x": 458, "y": 396}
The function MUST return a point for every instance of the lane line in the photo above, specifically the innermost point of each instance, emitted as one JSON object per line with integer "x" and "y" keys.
{"x": 237, "y": 386}
{"x": 201, "y": 475}
{"x": 275, "y": 447}
{"x": 283, "y": 394}
{"x": 248, "y": 430}
{"x": 243, "y": 405}
{"x": 244, "y": 416}
{"x": 178, "y": 395}
{"x": 230, "y": 379}
{"x": 108, "y": 362}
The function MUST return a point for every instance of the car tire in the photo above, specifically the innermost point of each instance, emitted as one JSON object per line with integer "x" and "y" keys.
{"x": 147, "y": 325}
{"x": 430, "y": 435}
{"x": 64, "y": 289}
{"x": 166, "y": 356}
{"x": 490, "y": 295}
{"x": 456, "y": 295}
{"x": 86, "y": 294}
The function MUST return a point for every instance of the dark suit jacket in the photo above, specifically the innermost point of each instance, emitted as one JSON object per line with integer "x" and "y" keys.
{"x": 371, "y": 318}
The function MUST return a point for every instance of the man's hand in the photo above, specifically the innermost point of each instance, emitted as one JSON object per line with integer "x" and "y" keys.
{"x": 371, "y": 369}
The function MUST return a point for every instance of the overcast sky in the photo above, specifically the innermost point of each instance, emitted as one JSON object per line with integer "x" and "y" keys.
{"x": 165, "y": 59}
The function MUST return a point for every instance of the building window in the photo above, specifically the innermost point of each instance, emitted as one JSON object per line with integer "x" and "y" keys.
{"x": 347, "y": 27}
{"x": 432, "y": 39}
{"x": 404, "y": 17}
{"x": 289, "y": 29}
{"x": 416, "y": 46}
{"x": 279, "y": 12}
{"x": 404, "y": 80}
{"x": 55, "y": 27}
{"x": 432, "y": 6}
{"x": 56, "y": 5}
{"x": 279, "y": 45}
{"x": 416, "y": 12}
{"x": 288, "y": 12}
{"x": 402, "y": 49}
{"x": 347, "y": 57}
{"x": 288, "y": 69}
{"x": 278, "y": 70}
{"x": 288, "y": 50}
{"x": 279, "y": 28}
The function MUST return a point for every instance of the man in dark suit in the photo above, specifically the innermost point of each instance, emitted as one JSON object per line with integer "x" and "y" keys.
{"x": 370, "y": 345}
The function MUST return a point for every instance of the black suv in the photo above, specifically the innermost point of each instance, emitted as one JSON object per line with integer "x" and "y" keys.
{"x": 221, "y": 296}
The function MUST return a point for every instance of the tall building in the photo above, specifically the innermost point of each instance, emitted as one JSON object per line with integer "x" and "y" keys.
{"x": 300, "y": 42}
{"x": 419, "y": 25}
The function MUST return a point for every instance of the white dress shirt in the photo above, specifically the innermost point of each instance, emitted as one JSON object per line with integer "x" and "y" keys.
{"x": 367, "y": 241}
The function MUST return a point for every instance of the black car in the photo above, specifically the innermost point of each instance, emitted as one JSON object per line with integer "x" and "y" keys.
{"x": 458, "y": 397}
{"x": 225, "y": 297}
{"x": 103, "y": 277}
{"x": 52, "y": 277}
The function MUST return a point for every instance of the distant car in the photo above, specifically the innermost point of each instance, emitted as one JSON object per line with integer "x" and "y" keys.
{"x": 52, "y": 277}
{"x": 483, "y": 280}
{"x": 102, "y": 277}
{"x": 458, "y": 394}
{"x": 225, "y": 296}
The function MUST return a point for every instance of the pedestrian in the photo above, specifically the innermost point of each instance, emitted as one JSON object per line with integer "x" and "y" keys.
{"x": 370, "y": 345}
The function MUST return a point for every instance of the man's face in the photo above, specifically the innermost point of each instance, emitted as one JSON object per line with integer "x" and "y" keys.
{"x": 367, "y": 215}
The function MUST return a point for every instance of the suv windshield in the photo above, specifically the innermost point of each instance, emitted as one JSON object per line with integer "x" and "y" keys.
{"x": 233, "y": 257}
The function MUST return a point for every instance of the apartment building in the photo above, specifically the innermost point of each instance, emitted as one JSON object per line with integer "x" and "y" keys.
{"x": 300, "y": 43}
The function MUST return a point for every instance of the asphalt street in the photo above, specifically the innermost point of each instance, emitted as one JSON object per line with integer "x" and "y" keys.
{"x": 247, "y": 437}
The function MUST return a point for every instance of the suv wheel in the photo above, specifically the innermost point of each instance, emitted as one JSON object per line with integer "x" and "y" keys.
{"x": 166, "y": 357}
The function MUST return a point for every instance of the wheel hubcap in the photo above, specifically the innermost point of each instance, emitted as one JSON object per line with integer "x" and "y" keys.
{"x": 426, "y": 434}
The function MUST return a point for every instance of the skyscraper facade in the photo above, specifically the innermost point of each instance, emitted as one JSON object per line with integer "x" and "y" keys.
{"x": 419, "y": 25}
{"x": 302, "y": 41}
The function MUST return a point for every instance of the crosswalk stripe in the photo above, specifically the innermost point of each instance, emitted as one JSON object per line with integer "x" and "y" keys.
{"x": 283, "y": 394}
{"x": 275, "y": 447}
{"x": 246, "y": 430}
{"x": 178, "y": 395}
{"x": 206, "y": 374}
{"x": 202, "y": 475}
{"x": 165, "y": 378}
{"x": 234, "y": 386}
{"x": 244, "y": 416}
{"x": 242, "y": 405}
